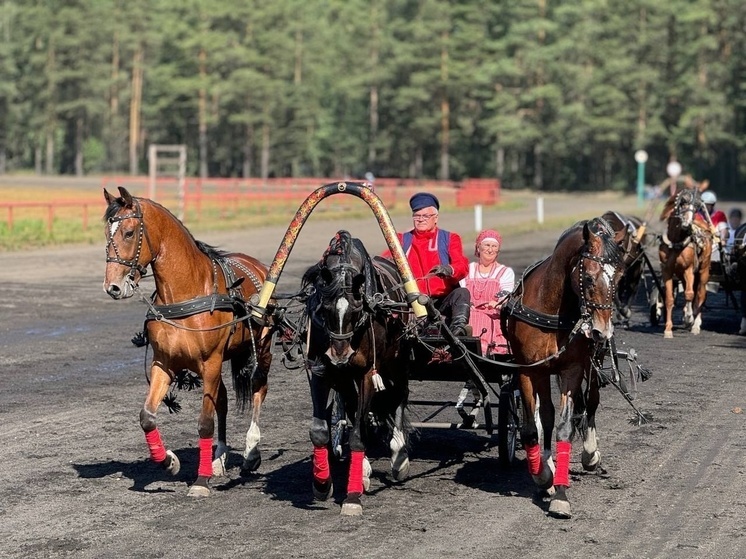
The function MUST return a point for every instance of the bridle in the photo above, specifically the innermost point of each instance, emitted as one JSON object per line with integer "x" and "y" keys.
{"x": 134, "y": 263}
{"x": 586, "y": 306}
{"x": 344, "y": 268}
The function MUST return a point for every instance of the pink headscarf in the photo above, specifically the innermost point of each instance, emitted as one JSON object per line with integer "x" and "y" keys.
{"x": 487, "y": 235}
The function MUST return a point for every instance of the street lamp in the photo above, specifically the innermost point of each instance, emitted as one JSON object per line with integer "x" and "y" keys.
{"x": 641, "y": 156}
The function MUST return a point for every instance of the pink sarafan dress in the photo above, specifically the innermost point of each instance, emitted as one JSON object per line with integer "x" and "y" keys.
{"x": 483, "y": 289}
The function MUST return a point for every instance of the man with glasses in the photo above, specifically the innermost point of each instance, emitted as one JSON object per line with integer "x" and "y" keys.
{"x": 437, "y": 260}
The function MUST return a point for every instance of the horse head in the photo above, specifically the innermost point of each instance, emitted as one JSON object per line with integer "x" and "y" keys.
{"x": 127, "y": 257}
{"x": 598, "y": 270}
{"x": 342, "y": 280}
{"x": 679, "y": 212}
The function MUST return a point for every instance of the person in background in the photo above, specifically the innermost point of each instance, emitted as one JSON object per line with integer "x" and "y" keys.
{"x": 709, "y": 199}
{"x": 718, "y": 220}
{"x": 488, "y": 283}
{"x": 735, "y": 219}
{"x": 437, "y": 260}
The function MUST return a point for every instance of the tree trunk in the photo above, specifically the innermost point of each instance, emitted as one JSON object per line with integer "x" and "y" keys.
{"x": 79, "y": 146}
{"x": 49, "y": 161}
{"x": 642, "y": 117}
{"x": 538, "y": 168}
{"x": 248, "y": 151}
{"x": 373, "y": 94}
{"x": 265, "y": 149}
{"x": 500, "y": 161}
{"x": 37, "y": 160}
{"x": 202, "y": 114}
{"x": 445, "y": 113}
{"x": 135, "y": 107}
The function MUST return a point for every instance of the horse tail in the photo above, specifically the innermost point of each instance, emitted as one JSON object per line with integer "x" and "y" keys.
{"x": 241, "y": 370}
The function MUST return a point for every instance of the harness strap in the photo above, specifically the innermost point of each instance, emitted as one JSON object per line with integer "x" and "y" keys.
{"x": 184, "y": 309}
{"x": 513, "y": 306}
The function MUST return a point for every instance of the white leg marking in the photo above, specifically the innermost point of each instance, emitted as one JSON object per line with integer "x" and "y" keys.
{"x": 399, "y": 455}
{"x": 253, "y": 436}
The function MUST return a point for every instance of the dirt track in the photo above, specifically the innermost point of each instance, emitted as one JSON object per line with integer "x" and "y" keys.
{"x": 76, "y": 481}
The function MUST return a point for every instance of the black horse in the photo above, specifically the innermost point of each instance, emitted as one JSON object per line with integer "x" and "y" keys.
{"x": 631, "y": 237}
{"x": 357, "y": 321}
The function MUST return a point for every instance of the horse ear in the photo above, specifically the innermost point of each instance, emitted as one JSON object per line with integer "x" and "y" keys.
{"x": 586, "y": 231}
{"x": 126, "y": 196}
{"x": 704, "y": 185}
{"x": 108, "y": 197}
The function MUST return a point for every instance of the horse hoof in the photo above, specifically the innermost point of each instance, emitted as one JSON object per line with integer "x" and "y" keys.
{"x": 695, "y": 331}
{"x": 200, "y": 488}
{"x": 322, "y": 489}
{"x": 400, "y": 472}
{"x": 545, "y": 495}
{"x": 559, "y": 508}
{"x": 590, "y": 461}
{"x": 352, "y": 505}
{"x": 198, "y": 491}
{"x": 545, "y": 479}
{"x": 668, "y": 335}
{"x": 171, "y": 463}
{"x": 251, "y": 463}
{"x": 218, "y": 466}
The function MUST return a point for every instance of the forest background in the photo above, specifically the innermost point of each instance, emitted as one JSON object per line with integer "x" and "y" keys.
{"x": 549, "y": 95}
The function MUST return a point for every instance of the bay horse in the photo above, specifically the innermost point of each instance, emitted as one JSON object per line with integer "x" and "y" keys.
{"x": 358, "y": 349}
{"x": 685, "y": 251}
{"x": 558, "y": 321}
{"x": 197, "y": 319}
{"x": 631, "y": 237}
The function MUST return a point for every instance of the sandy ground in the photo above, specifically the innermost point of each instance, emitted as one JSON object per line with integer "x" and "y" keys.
{"x": 76, "y": 481}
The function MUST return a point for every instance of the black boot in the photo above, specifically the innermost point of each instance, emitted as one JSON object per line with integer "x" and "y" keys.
{"x": 460, "y": 319}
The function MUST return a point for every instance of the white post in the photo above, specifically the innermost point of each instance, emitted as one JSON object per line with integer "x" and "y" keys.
{"x": 540, "y": 209}
{"x": 478, "y": 217}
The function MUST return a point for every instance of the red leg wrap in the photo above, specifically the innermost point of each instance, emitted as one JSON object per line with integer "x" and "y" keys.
{"x": 155, "y": 444}
{"x": 320, "y": 464}
{"x": 533, "y": 457}
{"x": 205, "y": 457}
{"x": 562, "y": 472}
{"x": 355, "y": 478}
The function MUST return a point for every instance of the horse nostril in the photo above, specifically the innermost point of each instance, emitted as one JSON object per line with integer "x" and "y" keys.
{"x": 114, "y": 291}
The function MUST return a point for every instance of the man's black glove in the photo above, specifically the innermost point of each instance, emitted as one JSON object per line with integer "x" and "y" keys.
{"x": 442, "y": 271}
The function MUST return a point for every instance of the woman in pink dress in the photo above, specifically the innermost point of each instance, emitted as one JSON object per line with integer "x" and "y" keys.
{"x": 488, "y": 282}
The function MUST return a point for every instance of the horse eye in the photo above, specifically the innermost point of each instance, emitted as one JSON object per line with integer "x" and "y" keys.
{"x": 129, "y": 234}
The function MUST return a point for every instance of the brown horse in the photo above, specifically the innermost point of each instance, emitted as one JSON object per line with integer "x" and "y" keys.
{"x": 685, "y": 251}
{"x": 357, "y": 348}
{"x": 632, "y": 239}
{"x": 558, "y": 321}
{"x": 197, "y": 319}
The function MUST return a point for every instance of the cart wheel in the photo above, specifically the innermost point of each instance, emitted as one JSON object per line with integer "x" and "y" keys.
{"x": 656, "y": 306}
{"x": 507, "y": 424}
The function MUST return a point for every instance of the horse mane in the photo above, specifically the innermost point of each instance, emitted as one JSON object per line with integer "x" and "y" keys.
{"x": 601, "y": 227}
{"x": 209, "y": 250}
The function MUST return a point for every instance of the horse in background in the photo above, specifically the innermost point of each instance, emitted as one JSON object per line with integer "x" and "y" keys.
{"x": 632, "y": 239}
{"x": 558, "y": 321}
{"x": 197, "y": 319}
{"x": 356, "y": 348}
{"x": 685, "y": 251}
